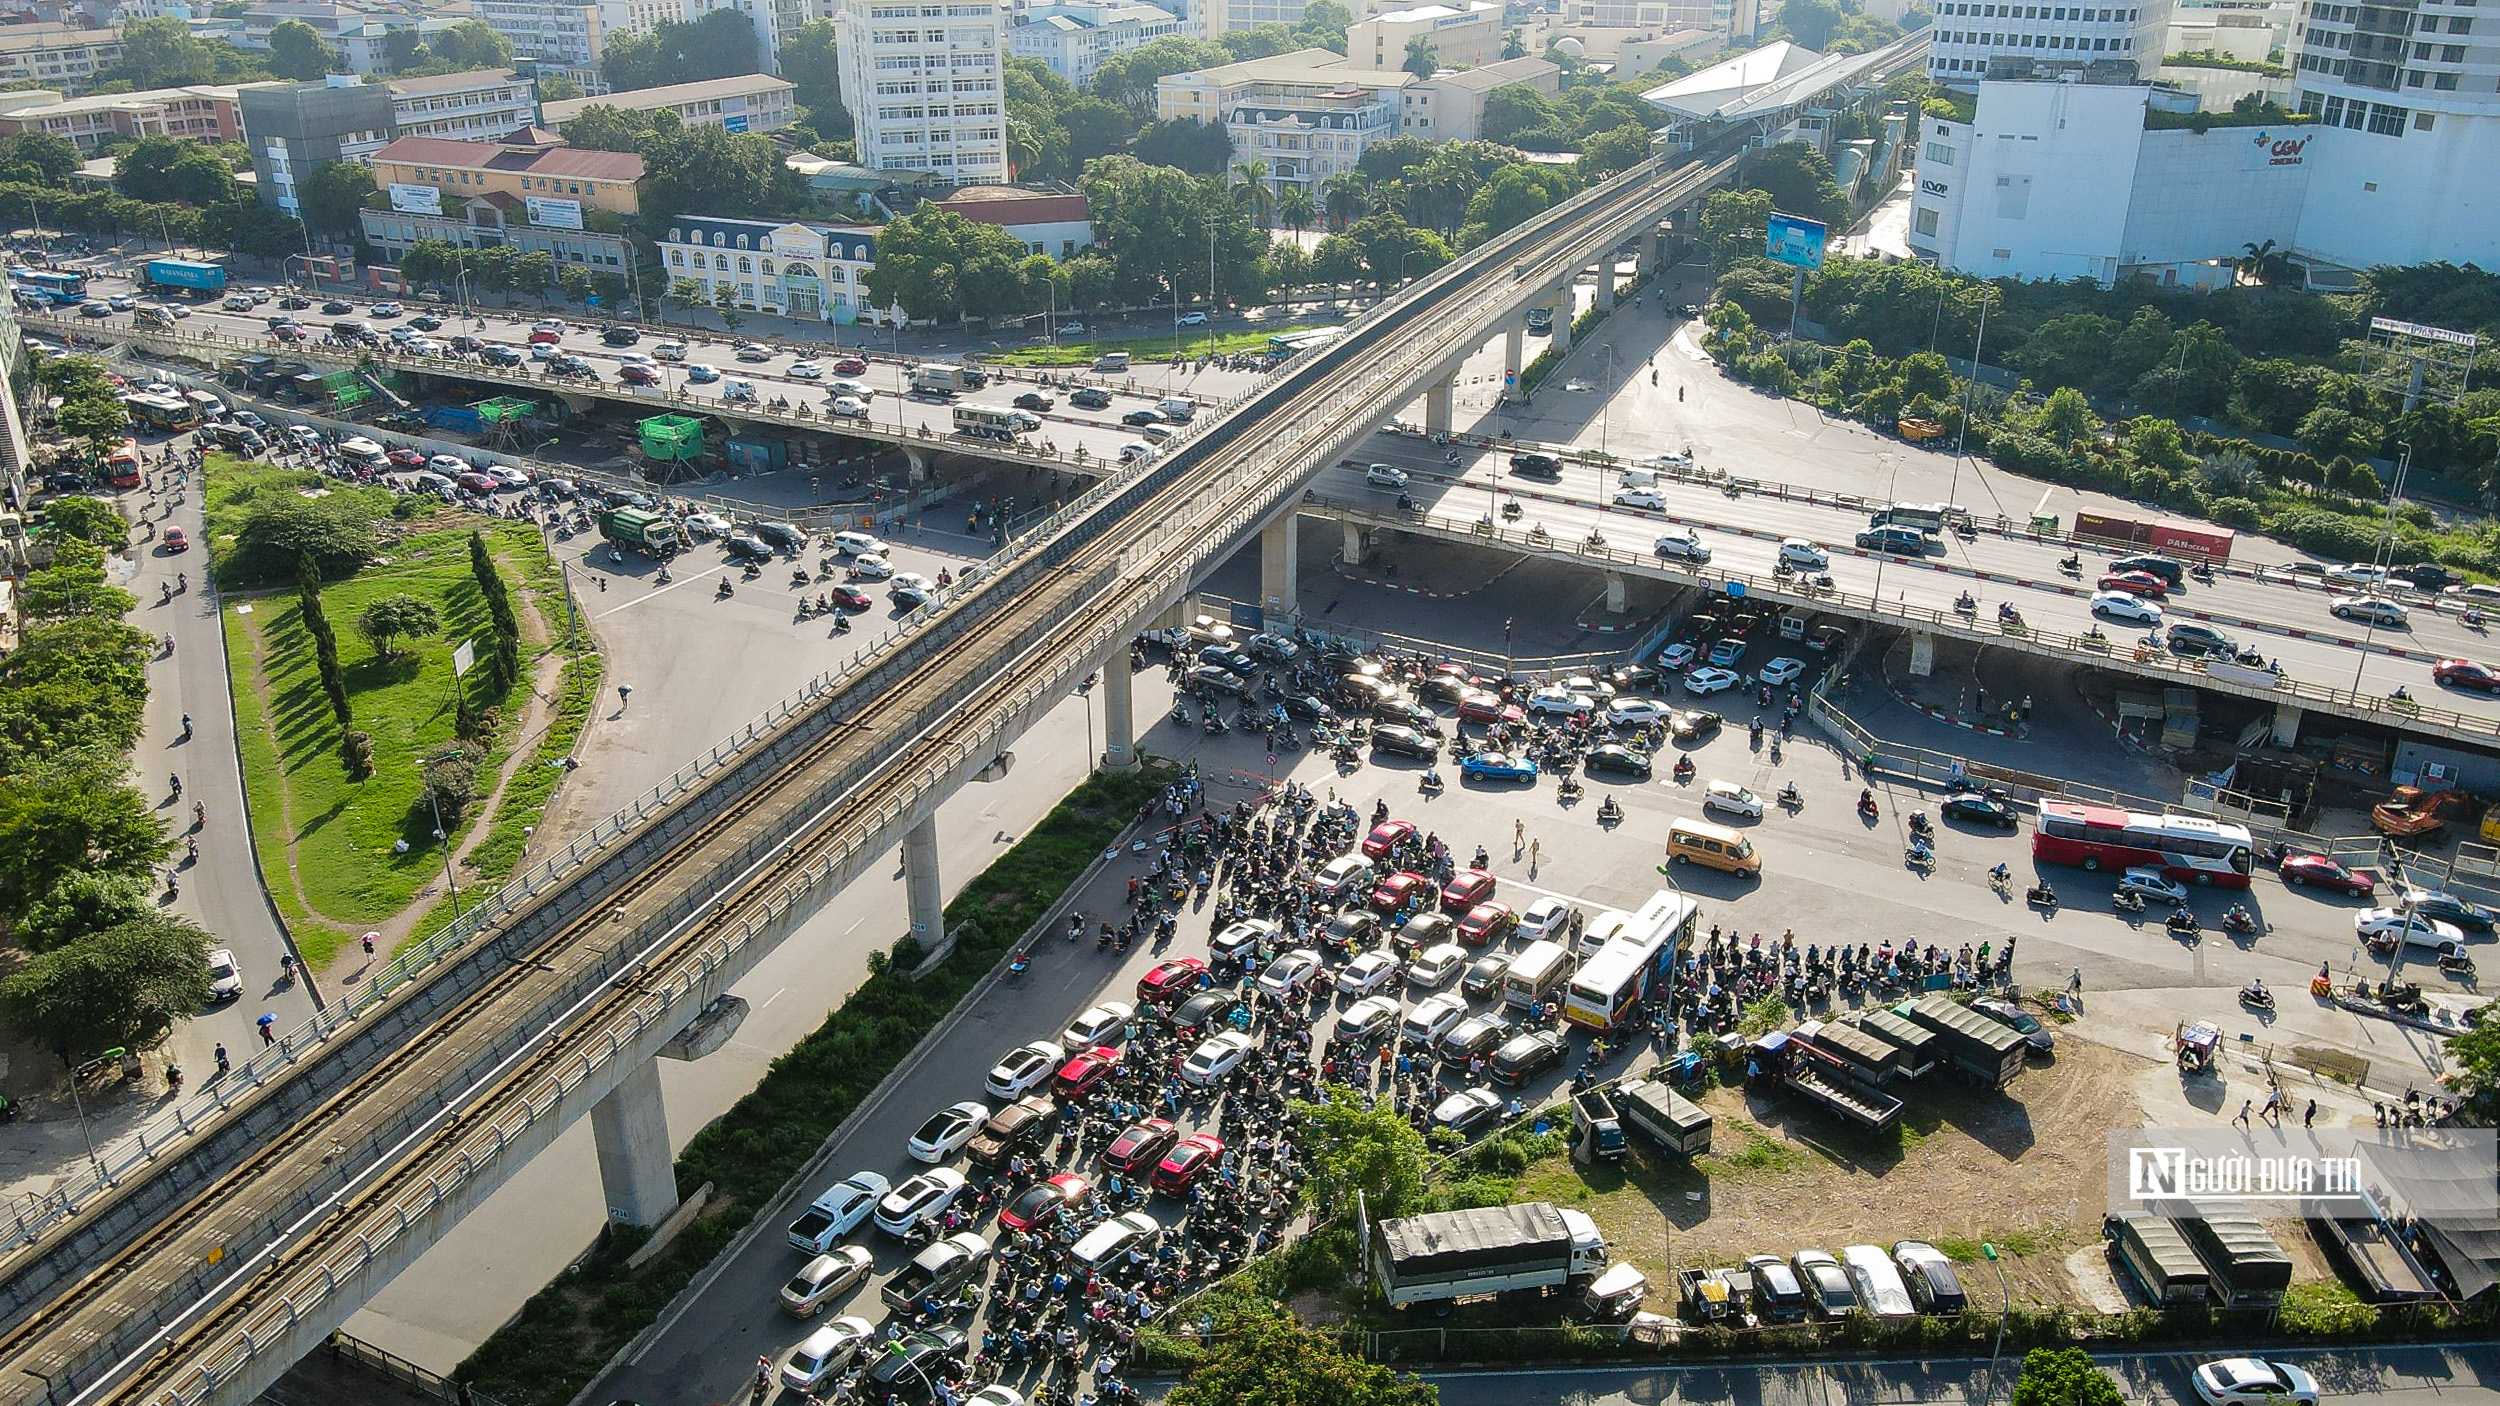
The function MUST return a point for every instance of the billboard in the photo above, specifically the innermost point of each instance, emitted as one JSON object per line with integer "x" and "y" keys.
{"x": 557, "y": 214}
{"x": 737, "y": 123}
{"x": 416, "y": 200}
{"x": 1794, "y": 241}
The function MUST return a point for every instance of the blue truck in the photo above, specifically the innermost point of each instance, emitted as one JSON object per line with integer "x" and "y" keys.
{"x": 198, "y": 279}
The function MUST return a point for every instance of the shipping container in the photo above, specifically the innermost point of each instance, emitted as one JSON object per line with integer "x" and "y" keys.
{"x": 2192, "y": 540}
{"x": 1674, "y": 1122}
{"x": 186, "y": 274}
{"x": 2105, "y": 527}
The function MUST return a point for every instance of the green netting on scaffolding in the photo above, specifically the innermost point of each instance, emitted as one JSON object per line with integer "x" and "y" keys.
{"x": 504, "y": 409}
{"x": 347, "y": 389}
{"x": 672, "y": 437}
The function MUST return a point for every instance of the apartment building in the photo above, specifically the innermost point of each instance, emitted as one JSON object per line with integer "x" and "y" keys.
{"x": 1970, "y": 33}
{"x": 560, "y": 33}
{"x": 55, "y": 56}
{"x": 754, "y": 102}
{"x": 529, "y": 191}
{"x": 780, "y": 268}
{"x": 1450, "y": 107}
{"x": 361, "y": 37}
{"x": 637, "y": 16}
{"x": 925, "y": 86}
{"x": 1467, "y": 35}
{"x": 1072, "y": 39}
{"x": 210, "y": 113}
{"x": 471, "y": 106}
{"x": 293, "y": 128}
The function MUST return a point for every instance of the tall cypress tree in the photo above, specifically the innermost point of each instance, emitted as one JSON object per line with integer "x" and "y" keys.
{"x": 504, "y": 654}
{"x": 325, "y": 642}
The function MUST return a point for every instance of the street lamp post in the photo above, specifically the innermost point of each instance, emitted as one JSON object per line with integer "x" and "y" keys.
{"x": 76, "y": 1073}
{"x": 2005, "y": 1309}
{"x": 443, "y": 838}
{"x": 1970, "y": 390}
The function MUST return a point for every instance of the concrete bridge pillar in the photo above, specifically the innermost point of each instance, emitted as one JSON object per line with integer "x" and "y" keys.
{"x": 1514, "y": 354}
{"x": 1618, "y": 597}
{"x": 925, "y": 902}
{"x": 1606, "y": 282}
{"x": 919, "y": 461}
{"x": 1353, "y": 553}
{"x": 1280, "y": 566}
{"x": 1119, "y": 716}
{"x": 2287, "y": 718}
{"x": 630, "y": 1127}
{"x": 1562, "y": 321}
{"x": 1437, "y": 405}
{"x": 1922, "y": 655}
{"x": 1658, "y": 242}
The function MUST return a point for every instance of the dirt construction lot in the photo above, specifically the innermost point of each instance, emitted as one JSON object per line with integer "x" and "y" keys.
{"x": 2026, "y": 1169}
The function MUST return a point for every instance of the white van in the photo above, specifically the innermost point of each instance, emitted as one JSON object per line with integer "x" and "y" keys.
{"x": 1602, "y": 929}
{"x": 364, "y": 452}
{"x": 1178, "y": 408}
{"x": 1537, "y": 974}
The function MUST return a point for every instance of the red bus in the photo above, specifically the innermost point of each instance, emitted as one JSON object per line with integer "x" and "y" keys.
{"x": 2188, "y": 848}
{"x": 121, "y": 467}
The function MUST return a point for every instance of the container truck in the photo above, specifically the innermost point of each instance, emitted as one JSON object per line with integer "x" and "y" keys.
{"x": 185, "y": 276}
{"x": 946, "y": 378}
{"x": 2187, "y": 539}
{"x": 1488, "y": 1250}
{"x": 1916, "y": 1044}
{"x": 1973, "y": 1044}
{"x": 1870, "y": 1057}
{"x": 643, "y": 531}
{"x": 1664, "y": 1116}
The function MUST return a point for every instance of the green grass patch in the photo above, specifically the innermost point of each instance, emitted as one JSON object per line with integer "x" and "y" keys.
{"x": 2324, "y": 1307}
{"x": 1153, "y": 346}
{"x": 568, "y": 1331}
{"x": 1760, "y": 1156}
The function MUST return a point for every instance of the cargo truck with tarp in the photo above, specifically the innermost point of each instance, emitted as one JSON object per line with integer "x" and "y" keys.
{"x": 2158, "y": 1258}
{"x": 1975, "y": 1045}
{"x": 1665, "y": 1117}
{"x": 1485, "y": 1250}
{"x": 1825, "y": 1081}
{"x": 1870, "y": 1057}
{"x": 2249, "y": 1270}
{"x": 1915, "y": 1044}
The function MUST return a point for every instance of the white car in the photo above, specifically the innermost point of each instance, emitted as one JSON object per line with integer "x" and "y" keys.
{"x": 668, "y": 351}
{"x": 1193, "y": 319}
{"x": 1021, "y": 1068}
{"x": 1678, "y": 655}
{"x": 850, "y": 407}
{"x": 1290, "y": 973}
{"x": 1217, "y": 1056}
{"x": 1367, "y": 973}
{"x": 1631, "y": 712}
{"x": 948, "y": 1130}
{"x": 1269, "y": 645}
{"x": 1710, "y": 679}
{"x": 1732, "y": 798}
{"x": 1106, "y": 1024}
{"x": 1385, "y": 476}
{"x": 841, "y": 1268}
{"x": 839, "y": 1211}
{"x": 225, "y": 979}
{"x": 1687, "y": 546}
{"x": 548, "y": 351}
{"x": 1436, "y": 966}
{"x": 805, "y": 371}
{"x": 920, "y": 1198}
{"x": 1135, "y": 450}
{"x": 2369, "y": 610}
{"x": 751, "y": 351}
{"x": 548, "y": 324}
{"x": 1467, "y": 1111}
{"x": 2359, "y": 573}
{"x": 1368, "y": 1019}
{"x": 2118, "y": 605}
{"x": 871, "y": 566}
{"x": 844, "y": 385}
{"x": 911, "y": 588}
{"x": 2153, "y": 886}
{"x": 826, "y": 1352}
{"x": 1432, "y": 1018}
{"x": 1640, "y": 498}
{"x": 507, "y": 475}
{"x": 738, "y": 391}
{"x": 1342, "y": 875}
{"x": 708, "y": 525}
{"x": 2245, "y": 1381}
{"x": 2382, "y": 928}
{"x": 1782, "y": 669}
{"x": 856, "y": 544}
{"x": 1547, "y": 920}
{"x": 449, "y": 465}
{"x": 1797, "y": 551}
{"x": 1072, "y": 329}
{"x": 1559, "y": 703}
{"x": 996, "y": 1394}
{"x": 700, "y": 373}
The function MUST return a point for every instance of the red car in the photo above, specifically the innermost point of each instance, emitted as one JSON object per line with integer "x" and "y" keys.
{"x": 405, "y": 459}
{"x": 1084, "y": 1070}
{"x": 2136, "y": 583}
{"x": 1179, "y": 1169}
{"x": 849, "y": 366}
{"x": 1401, "y": 891}
{"x": 1466, "y": 889}
{"x": 1459, "y": 672}
{"x": 851, "y": 598}
{"x": 1045, "y": 1201}
{"x": 1387, "y": 836}
{"x": 2300, "y": 870}
{"x": 634, "y": 373}
{"x": 175, "y": 541}
{"x": 477, "y": 482}
{"x": 1480, "y": 706}
{"x": 542, "y": 334}
{"x": 2465, "y": 673}
{"x": 1487, "y": 923}
{"x": 1170, "y": 980}
{"x": 1140, "y": 1144}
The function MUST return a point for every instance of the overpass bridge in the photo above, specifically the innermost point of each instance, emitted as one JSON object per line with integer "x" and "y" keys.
{"x": 251, "y": 1231}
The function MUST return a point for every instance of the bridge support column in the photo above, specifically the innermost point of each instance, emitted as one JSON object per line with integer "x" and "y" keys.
{"x": 1658, "y": 249}
{"x": 1437, "y": 405}
{"x": 1618, "y": 595}
{"x": 1563, "y": 307}
{"x": 1606, "y": 282}
{"x": 630, "y": 1127}
{"x": 1922, "y": 655}
{"x": 1353, "y": 553}
{"x": 1514, "y": 354}
{"x": 2287, "y": 719}
{"x": 925, "y": 902}
{"x": 919, "y": 461}
{"x": 1280, "y": 566}
{"x": 1119, "y": 717}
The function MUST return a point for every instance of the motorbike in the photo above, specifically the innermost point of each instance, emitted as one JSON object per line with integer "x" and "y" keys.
{"x": 1511, "y": 511}
{"x": 1570, "y": 789}
{"x": 725, "y": 590}
{"x": 1791, "y": 797}
{"x": 2457, "y": 964}
{"x": 2008, "y": 615}
{"x": 1609, "y": 813}
{"x": 1017, "y": 965}
{"x": 1684, "y": 768}
{"x": 2182, "y": 922}
{"x": 2238, "y": 919}
{"x": 1430, "y": 782}
{"x": 1866, "y": 805}
{"x": 1920, "y": 824}
{"x": 2041, "y": 896}
{"x": 2256, "y": 996}
{"x": 1966, "y": 603}
{"x": 841, "y": 624}
{"x": 1919, "y": 855}
{"x": 2127, "y": 902}
{"x": 2071, "y": 564}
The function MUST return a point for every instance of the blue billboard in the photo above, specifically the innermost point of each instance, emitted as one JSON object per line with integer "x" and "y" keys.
{"x": 737, "y": 123}
{"x": 1795, "y": 241}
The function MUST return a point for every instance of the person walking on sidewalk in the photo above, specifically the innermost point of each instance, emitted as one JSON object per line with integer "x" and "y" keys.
{"x": 2241, "y": 1121}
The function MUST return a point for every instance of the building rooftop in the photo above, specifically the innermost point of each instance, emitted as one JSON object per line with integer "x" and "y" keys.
{"x": 1007, "y": 205}
{"x": 564, "y": 110}
{"x": 488, "y": 156}
{"x": 1705, "y": 92}
{"x": 52, "y": 104}
{"x": 17, "y": 37}
{"x": 1423, "y": 13}
{"x": 449, "y": 82}
{"x": 1497, "y": 75}
{"x": 1303, "y": 66}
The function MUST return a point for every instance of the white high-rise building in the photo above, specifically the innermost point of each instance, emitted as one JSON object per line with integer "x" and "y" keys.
{"x": 926, "y": 86}
{"x": 1968, "y": 33}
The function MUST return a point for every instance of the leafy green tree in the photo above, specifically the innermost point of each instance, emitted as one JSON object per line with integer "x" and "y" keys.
{"x": 334, "y": 196}
{"x": 2072, "y": 350}
{"x": 2067, "y": 417}
{"x": 931, "y": 259}
{"x": 297, "y": 51}
{"x": 1799, "y": 179}
{"x": 1422, "y": 59}
{"x": 1323, "y": 26}
{"x": 250, "y": 227}
{"x": 72, "y": 683}
{"x": 1733, "y": 223}
{"x": 163, "y": 53}
{"x": 1095, "y": 128}
{"x": 325, "y": 640}
{"x": 1371, "y": 1151}
{"x": 74, "y": 585}
{"x": 69, "y": 814}
{"x": 2329, "y": 432}
{"x": 82, "y": 904}
{"x": 395, "y": 617}
{"x": 1516, "y": 110}
{"x": 1344, "y": 198}
{"x": 719, "y": 45}
{"x": 2064, "y": 1377}
{"x": 1128, "y": 80}
{"x": 1199, "y": 148}
{"x": 1515, "y": 195}
{"x": 1861, "y": 33}
{"x": 90, "y": 520}
{"x": 1261, "y": 1356}
{"x": 121, "y": 988}
{"x": 809, "y": 59}
{"x": 2474, "y": 1054}
{"x": 37, "y": 158}
{"x": 1609, "y": 152}
{"x": 469, "y": 45}
{"x": 714, "y": 171}
{"x": 279, "y": 528}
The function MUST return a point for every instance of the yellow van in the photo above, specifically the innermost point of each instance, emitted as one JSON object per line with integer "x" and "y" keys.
{"x": 1716, "y": 846}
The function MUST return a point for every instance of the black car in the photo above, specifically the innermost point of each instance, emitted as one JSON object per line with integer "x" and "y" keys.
{"x": 1536, "y": 466}
{"x": 467, "y": 343}
{"x": 569, "y": 365}
{"x": 2190, "y": 638}
{"x": 1350, "y": 931}
{"x": 2427, "y": 576}
{"x": 294, "y": 302}
{"x": 1034, "y": 400}
{"x": 1632, "y": 678}
{"x": 742, "y": 547}
{"x": 1619, "y": 759}
{"x": 1404, "y": 742}
{"x": 64, "y": 481}
{"x": 336, "y": 308}
{"x": 1982, "y": 810}
{"x": 1442, "y": 688}
{"x": 496, "y": 354}
{"x": 1305, "y": 707}
{"x": 1523, "y": 1057}
{"x": 2161, "y": 566}
{"x": 781, "y": 534}
{"x": 1141, "y": 417}
{"x": 1226, "y": 657}
{"x": 1208, "y": 1011}
{"x": 2448, "y": 908}
{"x": 1693, "y": 724}
{"x": 1090, "y": 398}
{"x": 427, "y": 322}
{"x": 619, "y": 336}
{"x": 1408, "y": 714}
{"x": 910, "y": 1368}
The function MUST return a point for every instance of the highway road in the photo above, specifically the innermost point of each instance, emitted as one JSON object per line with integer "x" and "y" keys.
{"x": 2268, "y": 611}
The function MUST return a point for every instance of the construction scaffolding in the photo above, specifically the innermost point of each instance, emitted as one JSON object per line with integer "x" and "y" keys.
{"x": 672, "y": 443}
{"x": 503, "y": 423}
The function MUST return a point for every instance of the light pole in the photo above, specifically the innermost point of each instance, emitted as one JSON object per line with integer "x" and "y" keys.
{"x": 1086, "y": 692}
{"x": 442, "y": 837}
{"x": 2005, "y": 1308}
{"x": 1210, "y": 285}
{"x": 1970, "y": 390}
{"x": 2378, "y": 560}
{"x": 76, "y": 1073}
